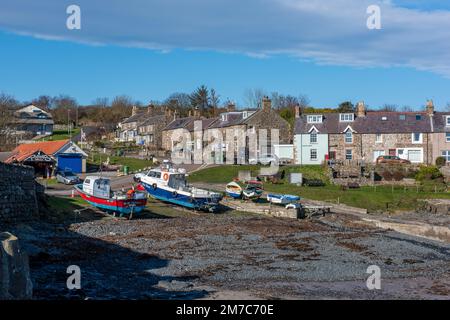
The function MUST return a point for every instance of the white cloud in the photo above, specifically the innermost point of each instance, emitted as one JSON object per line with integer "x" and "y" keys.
{"x": 327, "y": 32}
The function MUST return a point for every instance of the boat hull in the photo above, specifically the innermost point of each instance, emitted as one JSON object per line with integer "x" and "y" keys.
{"x": 234, "y": 195}
{"x": 125, "y": 206}
{"x": 282, "y": 199}
{"x": 197, "y": 203}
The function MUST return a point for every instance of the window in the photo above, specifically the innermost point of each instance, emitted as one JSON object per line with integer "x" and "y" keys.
{"x": 402, "y": 117}
{"x": 313, "y": 137}
{"x": 378, "y": 138}
{"x": 348, "y": 154}
{"x": 416, "y": 137}
{"x": 346, "y": 117}
{"x": 314, "y": 119}
{"x": 313, "y": 154}
{"x": 349, "y": 137}
{"x": 418, "y": 117}
{"x": 383, "y": 118}
{"x": 446, "y": 155}
{"x": 447, "y": 120}
{"x": 447, "y": 137}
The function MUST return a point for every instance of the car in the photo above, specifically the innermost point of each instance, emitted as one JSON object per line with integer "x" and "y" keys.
{"x": 392, "y": 160}
{"x": 67, "y": 177}
{"x": 265, "y": 159}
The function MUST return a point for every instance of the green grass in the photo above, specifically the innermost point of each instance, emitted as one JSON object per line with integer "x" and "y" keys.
{"x": 370, "y": 198}
{"x": 132, "y": 163}
{"x": 226, "y": 173}
{"x": 62, "y": 135}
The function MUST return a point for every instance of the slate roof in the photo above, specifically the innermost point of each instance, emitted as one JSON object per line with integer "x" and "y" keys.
{"x": 372, "y": 123}
{"x": 154, "y": 120}
{"x": 439, "y": 122}
{"x": 179, "y": 123}
{"x": 233, "y": 119}
{"x": 206, "y": 123}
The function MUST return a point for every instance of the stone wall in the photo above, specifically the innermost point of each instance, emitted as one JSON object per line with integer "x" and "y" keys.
{"x": 18, "y": 199}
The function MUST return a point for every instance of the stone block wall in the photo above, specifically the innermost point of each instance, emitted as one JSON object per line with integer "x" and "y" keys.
{"x": 18, "y": 200}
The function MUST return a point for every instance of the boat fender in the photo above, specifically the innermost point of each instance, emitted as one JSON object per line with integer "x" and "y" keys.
{"x": 166, "y": 176}
{"x": 175, "y": 193}
{"x": 154, "y": 186}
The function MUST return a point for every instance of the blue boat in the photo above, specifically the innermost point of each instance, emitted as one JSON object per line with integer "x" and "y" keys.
{"x": 282, "y": 198}
{"x": 234, "y": 190}
{"x": 169, "y": 185}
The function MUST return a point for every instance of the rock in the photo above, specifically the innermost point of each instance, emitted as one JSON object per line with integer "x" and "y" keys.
{"x": 15, "y": 282}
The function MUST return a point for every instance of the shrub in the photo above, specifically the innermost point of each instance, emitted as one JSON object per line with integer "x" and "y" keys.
{"x": 428, "y": 173}
{"x": 440, "y": 162}
{"x": 387, "y": 175}
{"x": 398, "y": 175}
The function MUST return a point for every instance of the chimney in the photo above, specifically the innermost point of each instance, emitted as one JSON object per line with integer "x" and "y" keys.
{"x": 231, "y": 106}
{"x": 151, "y": 109}
{"x": 197, "y": 113}
{"x": 430, "y": 107}
{"x": 361, "y": 109}
{"x": 297, "y": 111}
{"x": 190, "y": 113}
{"x": 175, "y": 114}
{"x": 134, "y": 111}
{"x": 266, "y": 104}
{"x": 167, "y": 112}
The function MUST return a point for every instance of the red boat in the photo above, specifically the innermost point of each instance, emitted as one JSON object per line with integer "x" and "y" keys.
{"x": 97, "y": 192}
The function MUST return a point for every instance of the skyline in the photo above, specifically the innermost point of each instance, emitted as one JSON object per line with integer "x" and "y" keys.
{"x": 40, "y": 56}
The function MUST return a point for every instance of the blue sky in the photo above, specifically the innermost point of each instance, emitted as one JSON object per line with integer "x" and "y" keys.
{"x": 148, "y": 49}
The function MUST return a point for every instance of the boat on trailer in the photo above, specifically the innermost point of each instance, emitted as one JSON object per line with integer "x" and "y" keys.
{"x": 282, "y": 198}
{"x": 97, "y": 192}
{"x": 168, "y": 184}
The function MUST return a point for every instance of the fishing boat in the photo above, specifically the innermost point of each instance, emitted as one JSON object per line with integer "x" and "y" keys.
{"x": 282, "y": 198}
{"x": 97, "y": 192}
{"x": 253, "y": 190}
{"x": 234, "y": 190}
{"x": 169, "y": 185}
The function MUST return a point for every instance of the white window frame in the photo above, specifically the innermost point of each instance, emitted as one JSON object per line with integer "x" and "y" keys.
{"x": 311, "y": 152}
{"x": 420, "y": 141}
{"x": 447, "y": 121}
{"x": 312, "y": 118}
{"x": 380, "y": 136}
{"x": 351, "y": 154}
{"x": 351, "y": 137}
{"x": 346, "y": 117}
{"x": 447, "y": 137}
{"x": 446, "y": 155}
{"x": 311, "y": 135}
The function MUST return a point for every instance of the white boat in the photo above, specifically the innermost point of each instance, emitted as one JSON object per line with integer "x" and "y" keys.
{"x": 234, "y": 190}
{"x": 253, "y": 190}
{"x": 169, "y": 185}
{"x": 282, "y": 198}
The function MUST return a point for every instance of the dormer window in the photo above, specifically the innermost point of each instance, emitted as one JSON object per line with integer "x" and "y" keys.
{"x": 224, "y": 117}
{"x": 447, "y": 121}
{"x": 418, "y": 117}
{"x": 314, "y": 119}
{"x": 245, "y": 115}
{"x": 384, "y": 118}
{"x": 346, "y": 117}
{"x": 402, "y": 117}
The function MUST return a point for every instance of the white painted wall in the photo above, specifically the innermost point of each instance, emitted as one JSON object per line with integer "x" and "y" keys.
{"x": 303, "y": 148}
{"x": 285, "y": 151}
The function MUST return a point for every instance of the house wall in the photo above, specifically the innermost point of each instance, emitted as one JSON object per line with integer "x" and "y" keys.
{"x": 270, "y": 119}
{"x": 365, "y": 145}
{"x": 303, "y": 146}
{"x": 439, "y": 143}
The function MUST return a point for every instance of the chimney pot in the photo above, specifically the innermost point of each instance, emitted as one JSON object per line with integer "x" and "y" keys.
{"x": 430, "y": 107}
{"x": 266, "y": 104}
{"x": 297, "y": 111}
{"x": 361, "y": 109}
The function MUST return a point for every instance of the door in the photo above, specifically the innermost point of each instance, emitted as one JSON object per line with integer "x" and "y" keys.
{"x": 415, "y": 155}
{"x": 72, "y": 162}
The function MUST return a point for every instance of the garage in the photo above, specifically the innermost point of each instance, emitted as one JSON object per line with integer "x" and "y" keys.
{"x": 70, "y": 161}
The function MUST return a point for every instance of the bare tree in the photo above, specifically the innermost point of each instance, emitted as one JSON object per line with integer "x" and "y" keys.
{"x": 407, "y": 109}
{"x": 7, "y": 106}
{"x": 389, "y": 107}
{"x": 253, "y": 97}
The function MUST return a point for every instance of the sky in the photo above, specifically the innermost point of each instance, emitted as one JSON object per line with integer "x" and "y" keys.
{"x": 148, "y": 49}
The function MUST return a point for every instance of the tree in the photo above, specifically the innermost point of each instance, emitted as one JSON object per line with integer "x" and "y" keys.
{"x": 389, "y": 107}
{"x": 407, "y": 109}
{"x": 214, "y": 101}
{"x": 43, "y": 102}
{"x": 253, "y": 97}
{"x": 200, "y": 98}
{"x": 64, "y": 109}
{"x": 7, "y": 106}
{"x": 346, "y": 107}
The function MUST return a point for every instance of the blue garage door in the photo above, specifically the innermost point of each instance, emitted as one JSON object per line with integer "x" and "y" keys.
{"x": 71, "y": 162}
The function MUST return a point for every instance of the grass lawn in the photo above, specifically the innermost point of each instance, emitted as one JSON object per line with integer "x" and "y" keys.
{"x": 370, "y": 198}
{"x": 226, "y": 173}
{"x": 133, "y": 163}
{"x": 61, "y": 135}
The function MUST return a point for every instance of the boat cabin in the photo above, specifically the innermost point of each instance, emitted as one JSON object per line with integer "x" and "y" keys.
{"x": 97, "y": 186}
